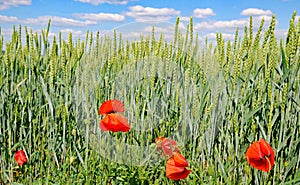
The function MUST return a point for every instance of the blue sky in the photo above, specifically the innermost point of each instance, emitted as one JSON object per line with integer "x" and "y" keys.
{"x": 133, "y": 17}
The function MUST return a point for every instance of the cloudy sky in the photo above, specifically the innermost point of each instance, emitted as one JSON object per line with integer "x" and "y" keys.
{"x": 133, "y": 17}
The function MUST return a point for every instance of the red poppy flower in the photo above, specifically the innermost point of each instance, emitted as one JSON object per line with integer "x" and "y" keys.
{"x": 260, "y": 155}
{"x": 111, "y": 106}
{"x": 114, "y": 122}
{"x": 20, "y": 157}
{"x": 166, "y": 146}
{"x": 176, "y": 167}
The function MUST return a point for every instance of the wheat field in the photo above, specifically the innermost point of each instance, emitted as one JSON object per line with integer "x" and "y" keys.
{"x": 213, "y": 99}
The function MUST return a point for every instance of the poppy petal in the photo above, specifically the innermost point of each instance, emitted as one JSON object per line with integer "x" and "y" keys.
{"x": 172, "y": 167}
{"x": 266, "y": 148}
{"x": 254, "y": 151}
{"x": 268, "y": 154}
{"x": 170, "y": 146}
{"x": 158, "y": 140}
{"x": 258, "y": 163}
{"x": 175, "y": 170}
{"x": 166, "y": 146}
{"x": 20, "y": 157}
{"x": 180, "y": 160}
{"x": 260, "y": 155}
{"x": 114, "y": 122}
{"x": 178, "y": 176}
{"x": 111, "y": 106}
{"x": 102, "y": 125}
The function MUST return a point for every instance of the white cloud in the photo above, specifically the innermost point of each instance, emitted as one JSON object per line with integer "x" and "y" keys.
{"x": 6, "y": 32}
{"x": 167, "y": 30}
{"x": 75, "y": 33}
{"x": 185, "y": 18}
{"x": 5, "y": 19}
{"x": 136, "y": 35}
{"x": 231, "y": 25}
{"x": 202, "y": 13}
{"x": 265, "y": 17}
{"x": 226, "y": 36}
{"x": 97, "y": 2}
{"x": 5, "y": 4}
{"x": 133, "y": 35}
{"x": 134, "y": 30}
{"x": 215, "y": 25}
{"x": 144, "y": 14}
{"x": 256, "y": 12}
{"x": 57, "y": 21}
{"x": 148, "y": 29}
{"x": 281, "y": 33}
{"x": 101, "y": 17}
{"x": 257, "y": 20}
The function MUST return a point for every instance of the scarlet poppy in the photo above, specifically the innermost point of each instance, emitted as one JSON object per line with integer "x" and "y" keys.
{"x": 114, "y": 122}
{"x": 20, "y": 157}
{"x": 166, "y": 146}
{"x": 176, "y": 167}
{"x": 260, "y": 155}
{"x": 111, "y": 106}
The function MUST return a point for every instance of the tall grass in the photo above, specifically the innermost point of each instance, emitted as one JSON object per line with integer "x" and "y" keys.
{"x": 213, "y": 100}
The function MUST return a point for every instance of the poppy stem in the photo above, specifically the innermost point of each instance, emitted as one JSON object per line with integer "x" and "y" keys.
{"x": 198, "y": 177}
{"x": 270, "y": 166}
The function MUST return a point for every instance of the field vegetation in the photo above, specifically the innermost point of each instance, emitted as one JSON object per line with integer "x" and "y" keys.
{"x": 213, "y": 99}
